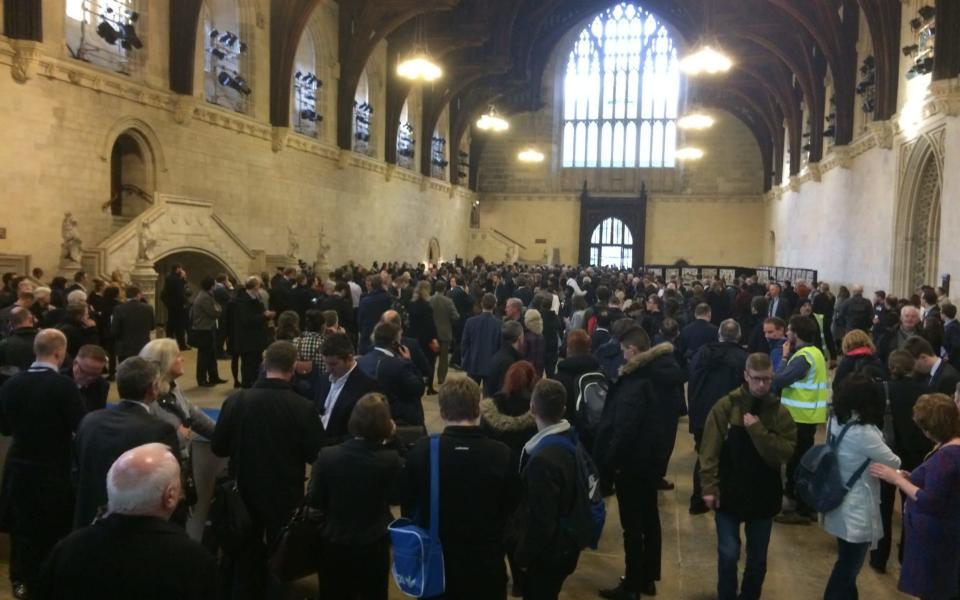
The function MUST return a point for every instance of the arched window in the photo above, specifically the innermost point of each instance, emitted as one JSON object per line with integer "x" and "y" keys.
{"x": 225, "y": 56}
{"x": 106, "y": 33}
{"x": 362, "y": 116}
{"x": 130, "y": 175}
{"x": 307, "y": 106}
{"x": 622, "y": 74}
{"x": 611, "y": 244}
{"x": 406, "y": 142}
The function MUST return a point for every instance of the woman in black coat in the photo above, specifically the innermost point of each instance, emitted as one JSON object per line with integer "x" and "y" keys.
{"x": 423, "y": 328}
{"x": 859, "y": 356}
{"x": 354, "y": 485}
{"x": 506, "y": 417}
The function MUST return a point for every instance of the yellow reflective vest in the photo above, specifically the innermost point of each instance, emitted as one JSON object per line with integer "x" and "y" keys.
{"x": 806, "y": 399}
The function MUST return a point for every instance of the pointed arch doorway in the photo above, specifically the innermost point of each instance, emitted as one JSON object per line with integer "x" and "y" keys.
{"x": 612, "y": 230}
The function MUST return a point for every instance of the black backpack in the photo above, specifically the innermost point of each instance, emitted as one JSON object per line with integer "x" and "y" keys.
{"x": 585, "y": 521}
{"x": 591, "y": 398}
{"x": 817, "y": 479}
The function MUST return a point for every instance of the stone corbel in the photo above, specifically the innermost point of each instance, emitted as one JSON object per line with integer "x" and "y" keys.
{"x": 424, "y": 183}
{"x": 844, "y": 156}
{"x": 343, "y": 159}
{"x": 388, "y": 173}
{"x": 815, "y": 172}
{"x": 883, "y": 133}
{"x": 183, "y": 109}
{"x": 279, "y": 138}
{"x": 944, "y": 97}
{"x": 26, "y": 57}
{"x": 794, "y": 183}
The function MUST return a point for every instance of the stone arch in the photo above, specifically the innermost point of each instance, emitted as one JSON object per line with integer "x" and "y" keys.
{"x": 433, "y": 251}
{"x": 198, "y": 262}
{"x": 149, "y": 143}
{"x": 917, "y": 223}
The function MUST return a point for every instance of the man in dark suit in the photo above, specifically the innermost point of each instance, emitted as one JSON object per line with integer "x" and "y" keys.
{"x": 511, "y": 351}
{"x": 372, "y": 306}
{"x": 697, "y": 334}
{"x": 942, "y": 378}
{"x": 481, "y": 339}
{"x": 41, "y": 409}
{"x": 397, "y": 377}
{"x": 338, "y": 393}
{"x": 777, "y": 305}
{"x": 105, "y": 434}
{"x": 87, "y": 372}
{"x": 951, "y": 335}
{"x": 16, "y": 350}
{"x": 479, "y": 491}
{"x": 131, "y": 324}
{"x": 250, "y": 335}
{"x": 417, "y": 357}
{"x": 79, "y": 283}
{"x": 463, "y": 302}
{"x": 134, "y": 551}
{"x": 174, "y": 297}
{"x": 270, "y": 433}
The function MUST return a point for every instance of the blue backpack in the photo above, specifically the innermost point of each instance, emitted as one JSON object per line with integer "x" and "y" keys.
{"x": 585, "y": 522}
{"x": 417, "y": 554}
{"x": 817, "y": 480}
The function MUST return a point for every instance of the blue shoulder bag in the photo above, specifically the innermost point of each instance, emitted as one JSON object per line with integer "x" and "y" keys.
{"x": 417, "y": 553}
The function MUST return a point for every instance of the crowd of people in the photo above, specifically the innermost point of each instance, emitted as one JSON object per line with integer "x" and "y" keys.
{"x": 331, "y": 372}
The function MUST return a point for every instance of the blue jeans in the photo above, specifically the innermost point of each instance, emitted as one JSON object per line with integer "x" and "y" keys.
{"x": 842, "y": 584}
{"x": 728, "y": 547}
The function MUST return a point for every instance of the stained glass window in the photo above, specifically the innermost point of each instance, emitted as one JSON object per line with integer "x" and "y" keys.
{"x": 622, "y": 75}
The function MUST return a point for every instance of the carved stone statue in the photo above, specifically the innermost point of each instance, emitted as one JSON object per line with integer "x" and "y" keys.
{"x": 322, "y": 249}
{"x": 72, "y": 246}
{"x": 293, "y": 244}
{"x": 145, "y": 242}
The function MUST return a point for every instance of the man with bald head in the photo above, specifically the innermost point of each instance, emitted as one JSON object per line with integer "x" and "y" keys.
{"x": 133, "y": 551}
{"x": 857, "y": 312}
{"x": 417, "y": 357}
{"x": 41, "y": 409}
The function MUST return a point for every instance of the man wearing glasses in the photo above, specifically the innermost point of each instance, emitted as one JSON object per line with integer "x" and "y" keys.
{"x": 87, "y": 372}
{"x": 747, "y": 437}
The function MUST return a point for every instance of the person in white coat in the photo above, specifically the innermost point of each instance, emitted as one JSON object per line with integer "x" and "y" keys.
{"x": 856, "y": 523}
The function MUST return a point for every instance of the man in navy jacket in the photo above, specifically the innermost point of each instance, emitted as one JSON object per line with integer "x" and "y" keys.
{"x": 481, "y": 340}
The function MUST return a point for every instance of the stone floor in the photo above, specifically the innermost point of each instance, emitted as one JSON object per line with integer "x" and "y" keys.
{"x": 799, "y": 561}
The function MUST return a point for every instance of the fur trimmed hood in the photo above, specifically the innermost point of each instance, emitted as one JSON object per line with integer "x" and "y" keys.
{"x": 644, "y": 358}
{"x": 499, "y": 421}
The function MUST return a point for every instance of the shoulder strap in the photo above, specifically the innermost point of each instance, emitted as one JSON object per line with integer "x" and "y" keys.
{"x": 557, "y": 439}
{"x": 856, "y": 474}
{"x": 435, "y": 486}
{"x": 843, "y": 432}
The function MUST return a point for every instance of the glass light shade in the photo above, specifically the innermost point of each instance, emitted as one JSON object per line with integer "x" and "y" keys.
{"x": 493, "y": 122}
{"x": 688, "y": 153}
{"x": 706, "y": 60}
{"x": 695, "y": 121}
{"x": 530, "y": 155}
{"x": 419, "y": 67}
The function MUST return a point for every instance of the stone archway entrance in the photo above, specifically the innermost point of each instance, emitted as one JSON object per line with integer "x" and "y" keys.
{"x": 917, "y": 234}
{"x": 198, "y": 265}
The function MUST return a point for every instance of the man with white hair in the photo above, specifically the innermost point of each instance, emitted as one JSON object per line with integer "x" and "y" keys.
{"x": 896, "y": 338}
{"x": 133, "y": 551}
{"x": 40, "y": 408}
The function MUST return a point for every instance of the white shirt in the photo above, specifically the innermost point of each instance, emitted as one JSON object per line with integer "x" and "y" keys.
{"x": 336, "y": 386}
{"x": 355, "y": 293}
{"x": 935, "y": 368}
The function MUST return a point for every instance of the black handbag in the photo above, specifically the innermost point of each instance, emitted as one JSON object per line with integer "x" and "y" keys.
{"x": 228, "y": 519}
{"x": 299, "y": 545}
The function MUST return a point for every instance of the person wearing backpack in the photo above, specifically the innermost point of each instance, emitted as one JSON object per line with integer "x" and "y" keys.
{"x": 747, "y": 436}
{"x": 715, "y": 370}
{"x": 804, "y": 388}
{"x": 858, "y": 408}
{"x": 578, "y": 363}
{"x": 547, "y": 549}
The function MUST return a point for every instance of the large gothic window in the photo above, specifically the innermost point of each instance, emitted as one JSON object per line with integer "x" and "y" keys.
{"x": 225, "y": 62}
{"x": 106, "y": 33}
{"x": 621, "y": 92}
{"x": 611, "y": 244}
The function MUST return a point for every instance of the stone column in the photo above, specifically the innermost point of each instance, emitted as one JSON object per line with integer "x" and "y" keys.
{"x": 144, "y": 276}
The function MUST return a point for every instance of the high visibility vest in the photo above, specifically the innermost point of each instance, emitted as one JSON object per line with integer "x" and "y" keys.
{"x": 807, "y": 398}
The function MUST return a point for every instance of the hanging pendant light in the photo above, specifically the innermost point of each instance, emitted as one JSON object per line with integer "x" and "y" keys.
{"x": 695, "y": 120}
{"x": 418, "y": 66}
{"x": 530, "y": 155}
{"x": 707, "y": 58}
{"x": 688, "y": 153}
{"x": 492, "y": 121}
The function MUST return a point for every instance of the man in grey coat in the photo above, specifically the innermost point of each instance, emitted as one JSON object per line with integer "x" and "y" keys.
{"x": 204, "y": 315}
{"x": 445, "y": 316}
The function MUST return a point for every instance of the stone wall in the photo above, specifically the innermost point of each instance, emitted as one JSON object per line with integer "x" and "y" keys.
{"x": 60, "y": 122}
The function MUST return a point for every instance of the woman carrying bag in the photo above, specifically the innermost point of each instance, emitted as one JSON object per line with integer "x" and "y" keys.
{"x": 354, "y": 485}
{"x": 858, "y": 410}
